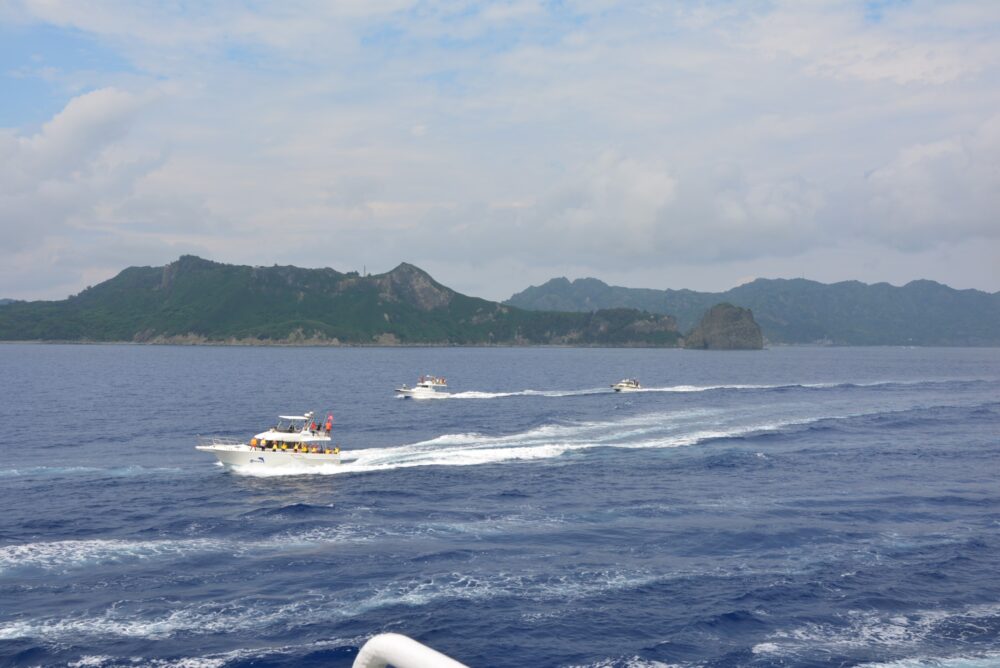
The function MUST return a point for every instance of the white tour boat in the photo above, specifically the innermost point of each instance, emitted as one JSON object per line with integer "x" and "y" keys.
{"x": 296, "y": 441}
{"x": 627, "y": 385}
{"x": 427, "y": 387}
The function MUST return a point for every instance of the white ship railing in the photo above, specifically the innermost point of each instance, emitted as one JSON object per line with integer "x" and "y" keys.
{"x": 220, "y": 440}
{"x": 393, "y": 649}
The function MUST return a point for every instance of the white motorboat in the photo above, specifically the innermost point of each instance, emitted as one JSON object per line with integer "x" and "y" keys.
{"x": 627, "y": 385}
{"x": 296, "y": 441}
{"x": 427, "y": 387}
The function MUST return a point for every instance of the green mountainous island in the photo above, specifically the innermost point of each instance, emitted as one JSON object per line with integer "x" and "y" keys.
{"x": 193, "y": 300}
{"x": 801, "y": 311}
{"x": 197, "y": 301}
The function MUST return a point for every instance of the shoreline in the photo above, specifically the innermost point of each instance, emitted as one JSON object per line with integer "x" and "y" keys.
{"x": 291, "y": 344}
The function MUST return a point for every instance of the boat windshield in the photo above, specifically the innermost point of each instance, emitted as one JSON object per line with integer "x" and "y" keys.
{"x": 292, "y": 423}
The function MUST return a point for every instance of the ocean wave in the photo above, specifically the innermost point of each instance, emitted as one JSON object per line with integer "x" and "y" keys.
{"x": 158, "y": 619}
{"x": 985, "y": 660}
{"x": 209, "y": 661}
{"x": 625, "y": 662}
{"x": 218, "y": 659}
{"x": 868, "y": 630}
{"x": 60, "y": 556}
{"x": 65, "y": 555}
{"x": 64, "y": 471}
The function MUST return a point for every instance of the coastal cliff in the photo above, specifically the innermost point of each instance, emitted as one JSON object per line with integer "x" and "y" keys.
{"x": 726, "y": 327}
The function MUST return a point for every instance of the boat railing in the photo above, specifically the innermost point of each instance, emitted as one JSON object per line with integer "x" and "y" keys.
{"x": 402, "y": 652}
{"x": 220, "y": 440}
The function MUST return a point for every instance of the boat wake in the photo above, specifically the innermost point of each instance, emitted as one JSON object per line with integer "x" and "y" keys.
{"x": 683, "y": 389}
{"x": 660, "y": 430}
{"x": 657, "y": 431}
{"x": 530, "y": 393}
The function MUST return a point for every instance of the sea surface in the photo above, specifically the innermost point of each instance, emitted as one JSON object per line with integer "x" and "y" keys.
{"x": 800, "y": 506}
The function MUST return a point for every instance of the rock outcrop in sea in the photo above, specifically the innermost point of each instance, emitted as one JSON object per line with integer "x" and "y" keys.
{"x": 726, "y": 327}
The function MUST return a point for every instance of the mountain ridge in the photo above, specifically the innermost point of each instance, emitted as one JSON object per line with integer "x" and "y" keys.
{"x": 193, "y": 300}
{"x": 799, "y": 310}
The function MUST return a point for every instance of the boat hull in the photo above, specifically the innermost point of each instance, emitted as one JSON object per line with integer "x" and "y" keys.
{"x": 421, "y": 393}
{"x": 242, "y": 456}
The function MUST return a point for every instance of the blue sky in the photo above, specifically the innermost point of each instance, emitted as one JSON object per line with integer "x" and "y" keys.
{"x": 34, "y": 58}
{"x": 659, "y": 144}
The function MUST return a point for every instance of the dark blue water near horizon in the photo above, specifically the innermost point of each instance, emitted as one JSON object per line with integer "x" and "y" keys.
{"x": 789, "y": 507}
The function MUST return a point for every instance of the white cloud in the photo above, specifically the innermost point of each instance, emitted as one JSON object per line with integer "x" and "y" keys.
{"x": 54, "y": 181}
{"x": 612, "y": 206}
{"x": 928, "y": 43}
{"x": 946, "y": 189}
{"x": 587, "y": 136}
{"x": 88, "y": 124}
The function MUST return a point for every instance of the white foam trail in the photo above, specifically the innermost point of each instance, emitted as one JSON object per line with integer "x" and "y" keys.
{"x": 608, "y": 390}
{"x": 699, "y": 388}
{"x": 985, "y": 660}
{"x": 64, "y": 555}
{"x": 702, "y": 388}
{"x": 211, "y": 661}
{"x": 530, "y": 393}
{"x": 867, "y": 630}
{"x": 55, "y": 471}
{"x": 627, "y": 662}
{"x": 215, "y": 660}
{"x": 680, "y": 389}
{"x": 129, "y": 619}
{"x": 777, "y": 386}
{"x": 119, "y": 620}
{"x": 808, "y": 386}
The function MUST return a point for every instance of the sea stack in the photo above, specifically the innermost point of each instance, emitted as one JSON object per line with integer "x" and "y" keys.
{"x": 726, "y": 327}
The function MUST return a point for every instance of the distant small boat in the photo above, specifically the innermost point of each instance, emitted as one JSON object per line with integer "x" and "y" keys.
{"x": 627, "y": 385}
{"x": 296, "y": 441}
{"x": 426, "y": 388}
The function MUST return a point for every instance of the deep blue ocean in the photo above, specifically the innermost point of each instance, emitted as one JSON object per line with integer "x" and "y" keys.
{"x": 800, "y": 506}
